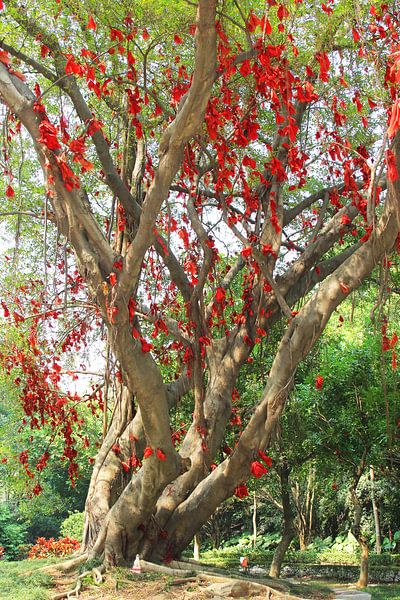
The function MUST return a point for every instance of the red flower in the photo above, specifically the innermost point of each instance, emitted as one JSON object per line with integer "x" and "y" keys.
{"x": 4, "y": 57}
{"x": 113, "y": 278}
{"x": 392, "y": 173}
{"x": 246, "y": 252}
{"x": 319, "y": 381}
{"x": 241, "y": 491}
{"x": 5, "y": 309}
{"x": 258, "y": 469}
{"x": 344, "y": 287}
{"x": 91, "y": 23}
{"x": 220, "y": 295}
{"x": 10, "y": 191}
{"x": 265, "y": 458}
{"x": 48, "y": 134}
{"x": 394, "y": 122}
{"x": 44, "y": 50}
{"x": 147, "y": 452}
{"x": 37, "y": 489}
{"x": 146, "y": 347}
{"x": 394, "y": 340}
{"x": 249, "y": 162}
{"x": 345, "y": 220}
{"x": 160, "y": 454}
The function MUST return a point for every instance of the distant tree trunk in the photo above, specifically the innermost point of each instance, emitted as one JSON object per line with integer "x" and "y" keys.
{"x": 305, "y": 509}
{"x": 196, "y": 548}
{"x": 363, "y": 578}
{"x": 254, "y": 520}
{"x": 375, "y": 511}
{"x": 289, "y": 530}
{"x": 356, "y": 529}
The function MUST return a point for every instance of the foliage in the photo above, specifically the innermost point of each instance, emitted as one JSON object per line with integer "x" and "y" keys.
{"x": 72, "y": 526}
{"x": 42, "y": 514}
{"x": 392, "y": 544}
{"x": 342, "y": 543}
{"x": 229, "y": 557}
{"x": 53, "y": 548}
{"x": 13, "y": 533}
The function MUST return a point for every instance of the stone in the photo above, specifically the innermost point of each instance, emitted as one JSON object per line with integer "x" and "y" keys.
{"x": 348, "y": 594}
{"x": 258, "y": 571}
{"x": 237, "y": 588}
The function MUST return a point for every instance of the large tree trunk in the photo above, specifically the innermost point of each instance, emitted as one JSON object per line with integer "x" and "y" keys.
{"x": 289, "y": 530}
{"x": 109, "y": 478}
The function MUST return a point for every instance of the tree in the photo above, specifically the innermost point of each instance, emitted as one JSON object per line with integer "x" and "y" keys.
{"x": 241, "y": 152}
{"x": 349, "y": 427}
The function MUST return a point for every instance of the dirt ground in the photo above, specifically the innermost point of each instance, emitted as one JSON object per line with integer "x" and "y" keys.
{"x": 116, "y": 587}
{"x": 122, "y": 584}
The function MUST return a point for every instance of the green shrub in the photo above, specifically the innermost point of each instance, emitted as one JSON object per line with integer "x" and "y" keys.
{"x": 72, "y": 526}
{"x": 13, "y": 533}
{"x": 385, "y": 560}
{"x": 392, "y": 544}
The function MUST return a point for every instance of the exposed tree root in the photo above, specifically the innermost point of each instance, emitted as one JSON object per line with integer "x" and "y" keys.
{"x": 66, "y": 566}
{"x": 96, "y": 573}
{"x": 153, "y": 567}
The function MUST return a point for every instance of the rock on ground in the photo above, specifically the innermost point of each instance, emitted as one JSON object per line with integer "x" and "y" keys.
{"x": 346, "y": 594}
{"x": 242, "y": 589}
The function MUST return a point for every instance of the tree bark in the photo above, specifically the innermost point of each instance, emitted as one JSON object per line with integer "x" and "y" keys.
{"x": 196, "y": 548}
{"x": 289, "y": 530}
{"x": 375, "y": 512}
{"x": 356, "y": 527}
{"x": 304, "y": 502}
{"x": 254, "y": 519}
{"x": 363, "y": 578}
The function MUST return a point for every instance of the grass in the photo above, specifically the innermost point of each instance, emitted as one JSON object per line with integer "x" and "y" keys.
{"x": 390, "y": 591}
{"x": 21, "y": 580}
